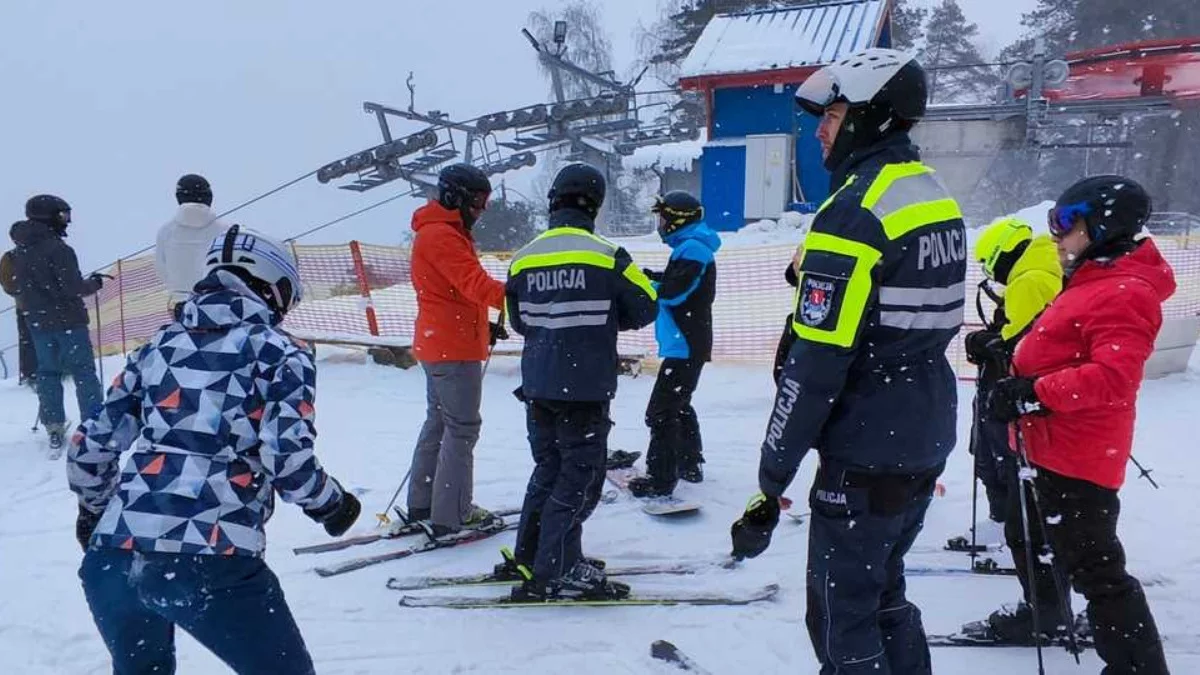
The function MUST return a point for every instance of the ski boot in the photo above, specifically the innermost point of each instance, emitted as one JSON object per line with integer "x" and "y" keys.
{"x": 511, "y": 570}
{"x": 691, "y": 469}
{"x": 56, "y": 436}
{"x": 583, "y": 581}
{"x": 646, "y": 486}
{"x": 989, "y": 536}
{"x": 477, "y": 518}
{"x": 1014, "y": 626}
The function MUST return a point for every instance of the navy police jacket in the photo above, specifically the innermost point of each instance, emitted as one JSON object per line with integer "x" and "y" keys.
{"x": 686, "y": 289}
{"x": 568, "y": 293}
{"x": 880, "y": 296}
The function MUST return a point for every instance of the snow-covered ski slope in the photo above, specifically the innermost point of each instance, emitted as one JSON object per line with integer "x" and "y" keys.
{"x": 368, "y": 417}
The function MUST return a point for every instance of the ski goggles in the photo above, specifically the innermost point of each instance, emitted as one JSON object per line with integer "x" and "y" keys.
{"x": 1061, "y": 219}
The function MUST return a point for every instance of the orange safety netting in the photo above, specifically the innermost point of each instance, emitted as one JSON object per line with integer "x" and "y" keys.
{"x": 360, "y": 293}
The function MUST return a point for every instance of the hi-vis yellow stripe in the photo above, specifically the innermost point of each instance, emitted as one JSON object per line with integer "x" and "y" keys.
{"x": 888, "y": 175}
{"x": 540, "y": 260}
{"x": 902, "y": 221}
{"x": 854, "y": 298}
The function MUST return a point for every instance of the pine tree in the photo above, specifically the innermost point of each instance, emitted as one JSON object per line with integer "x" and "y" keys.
{"x": 952, "y": 59}
{"x": 907, "y": 24}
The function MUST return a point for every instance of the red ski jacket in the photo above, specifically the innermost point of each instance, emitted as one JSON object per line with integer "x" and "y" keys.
{"x": 453, "y": 290}
{"x": 1087, "y": 352}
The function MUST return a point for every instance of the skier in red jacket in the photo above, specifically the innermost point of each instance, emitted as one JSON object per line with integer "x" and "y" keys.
{"x": 1072, "y": 395}
{"x": 450, "y": 340}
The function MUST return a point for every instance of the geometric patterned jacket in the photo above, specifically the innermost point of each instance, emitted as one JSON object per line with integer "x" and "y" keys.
{"x": 218, "y": 407}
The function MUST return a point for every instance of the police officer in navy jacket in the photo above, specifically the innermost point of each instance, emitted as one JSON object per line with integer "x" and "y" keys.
{"x": 569, "y": 292}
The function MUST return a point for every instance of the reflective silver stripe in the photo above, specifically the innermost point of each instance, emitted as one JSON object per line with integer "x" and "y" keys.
{"x": 950, "y": 318}
{"x": 556, "y": 322}
{"x": 561, "y": 243}
{"x": 564, "y": 307}
{"x": 918, "y": 297}
{"x": 908, "y": 191}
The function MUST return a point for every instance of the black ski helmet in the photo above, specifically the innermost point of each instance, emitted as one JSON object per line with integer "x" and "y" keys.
{"x": 193, "y": 189}
{"x": 886, "y": 90}
{"x": 49, "y": 209}
{"x": 578, "y": 186}
{"x": 1112, "y": 207}
{"x": 463, "y": 185}
{"x": 678, "y": 210}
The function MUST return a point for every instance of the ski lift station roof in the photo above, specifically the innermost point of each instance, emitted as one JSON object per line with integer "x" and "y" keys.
{"x": 761, "y": 156}
{"x": 785, "y": 39}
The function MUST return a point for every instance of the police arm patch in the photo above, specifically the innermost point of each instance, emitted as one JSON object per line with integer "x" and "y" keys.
{"x": 818, "y": 293}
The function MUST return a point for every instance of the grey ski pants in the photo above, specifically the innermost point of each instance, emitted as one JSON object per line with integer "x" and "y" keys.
{"x": 443, "y": 463}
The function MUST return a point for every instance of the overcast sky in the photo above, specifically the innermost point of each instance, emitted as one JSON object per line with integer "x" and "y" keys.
{"x": 107, "y": 103}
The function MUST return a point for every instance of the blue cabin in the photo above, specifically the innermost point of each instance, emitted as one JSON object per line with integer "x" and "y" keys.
{"x": 762, "y": 156}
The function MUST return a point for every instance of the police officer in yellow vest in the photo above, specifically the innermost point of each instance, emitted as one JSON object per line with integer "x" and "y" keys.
{"x": 1028, "y": 269}
{"x": 867, "y": 383}
{"x": 569, "y": 292}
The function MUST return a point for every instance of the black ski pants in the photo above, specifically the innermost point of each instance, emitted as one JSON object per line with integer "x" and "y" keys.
{"x": 995, "y": 463}
{"x": 674, "y": 427}
{"x": 1081, "y": 522}
{"x": 569, "y": 441}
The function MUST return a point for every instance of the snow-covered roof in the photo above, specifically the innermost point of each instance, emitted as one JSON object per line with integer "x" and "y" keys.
{"x": 677, "y": 156}
{"x": 775, "y": 39}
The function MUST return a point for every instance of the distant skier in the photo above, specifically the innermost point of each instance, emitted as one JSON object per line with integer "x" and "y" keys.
{"x": 219, "y": 409}
{"x": 451, "y": 340}
{"x": 686, "y": 289}
{"x": 183, "y": 241}
{"x": 26, "y": 356}
{"x": 867, "y": 382}
{"x": 1028, "y": 269}
{"x": 1073, "y": 393}
{"x": 50, "y": 292}
{"x": 570, "y": 292}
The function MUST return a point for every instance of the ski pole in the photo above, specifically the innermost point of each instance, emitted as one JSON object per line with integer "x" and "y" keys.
{"x": 37, "y": 418}
{"x": 1026, "y": 475}
{"x": 1144, "y": 472}
{"x": 383, "y": 517}
{"x": 492, "y": 347}
{"x": 99, "y": 337}
{"x": 1056, "y": 572}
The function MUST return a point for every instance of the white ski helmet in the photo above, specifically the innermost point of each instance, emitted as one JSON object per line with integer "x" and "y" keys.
{"x": 264, "y": 264}
{"x": 885, "y": 90}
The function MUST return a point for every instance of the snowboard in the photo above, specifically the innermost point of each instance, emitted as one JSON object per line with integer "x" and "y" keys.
{"x": 655, "y": 506}
{"x": 634, "y": 600}
{"x": 961, "y": 640}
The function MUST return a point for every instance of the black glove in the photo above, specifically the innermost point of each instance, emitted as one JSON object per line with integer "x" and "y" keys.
{"x": 1012, "y": 398}
{"x": 652, "y": 275}
{"x": 984, "y": 346}
{"x": 496, "y": 332}
{"x": 85, "y": 525}
{"x": 751, "y": 533}
{"x": 339, "y": 516}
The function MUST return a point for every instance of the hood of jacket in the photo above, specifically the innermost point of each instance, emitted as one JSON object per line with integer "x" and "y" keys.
{"x": 29, "y": 232}
{"x": 195, "y": 216}
{"x": 222, "y": 301}
{"x": 1144, "y": 262}
{"x": 698, "y": 232}
{"x": 433, "y": 212}
{"x": 1040, "y": 256}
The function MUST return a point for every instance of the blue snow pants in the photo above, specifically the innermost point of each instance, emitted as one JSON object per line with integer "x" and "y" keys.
{"x": 65, "y": 352}
{"x": 232, "y": 605}
{"x": 569, "y": 441}
{"x": 859, "y": 619}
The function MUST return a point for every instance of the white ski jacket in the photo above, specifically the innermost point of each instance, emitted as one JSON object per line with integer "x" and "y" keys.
{"x": 182, "y": 244}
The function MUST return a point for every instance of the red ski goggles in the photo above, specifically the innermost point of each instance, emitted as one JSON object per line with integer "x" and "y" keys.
{"x": 1061, "y": 219}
